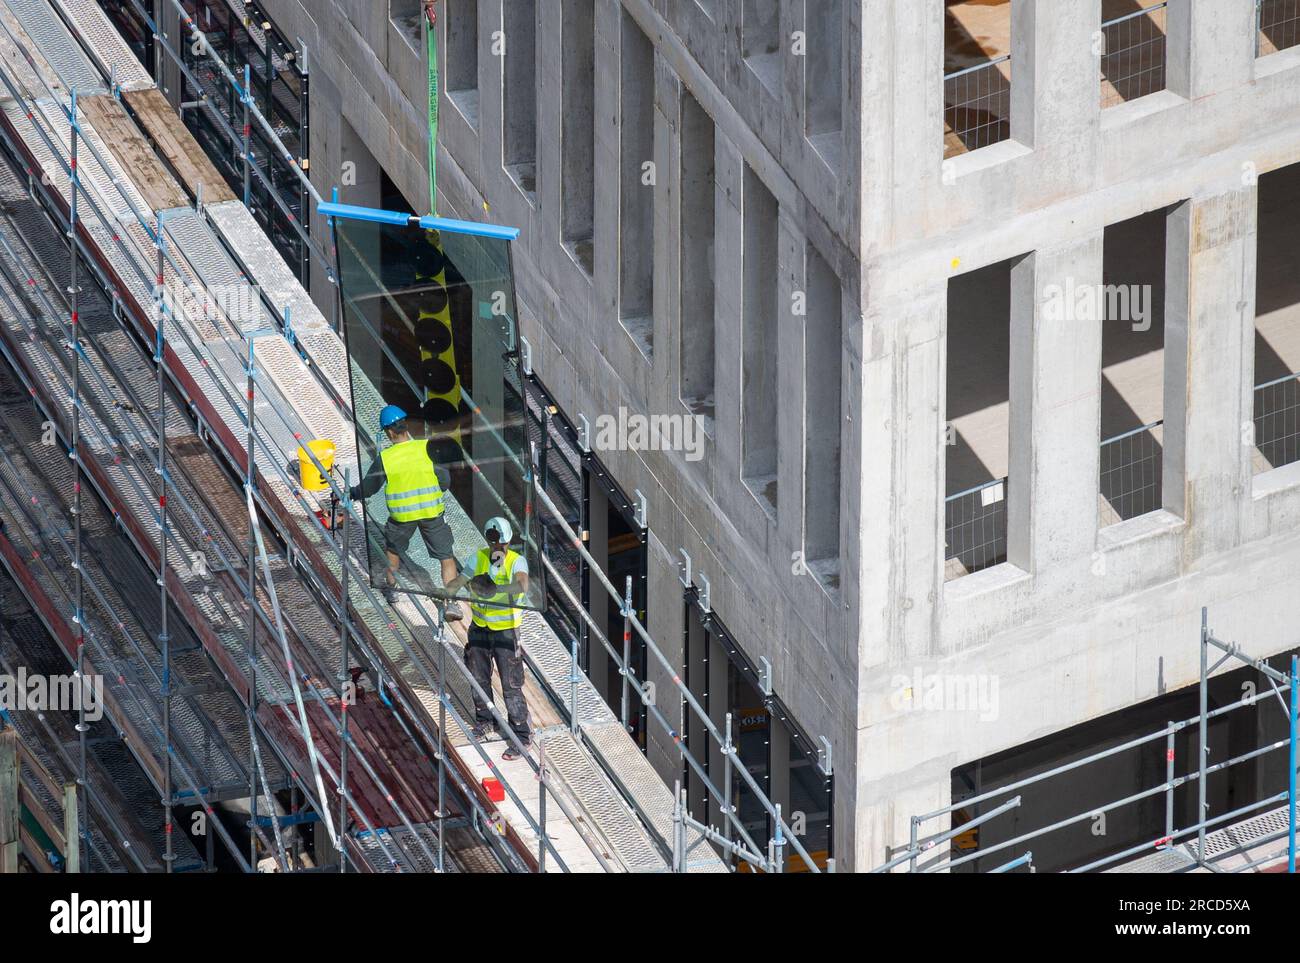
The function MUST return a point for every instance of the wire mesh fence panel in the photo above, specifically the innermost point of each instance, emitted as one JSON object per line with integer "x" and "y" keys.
{"x": 1133, "y": 56}
{"x": 975, "y": 529}
{"x": 1279, "y": 25}
{"x": 977, "y": 106}
{"x": 1277, "y": 422}
{"x": 1131, "y": 466}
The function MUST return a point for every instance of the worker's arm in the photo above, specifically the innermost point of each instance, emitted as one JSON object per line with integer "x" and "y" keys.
{"x": 459, "y": 582}
{"x": 373, "y": 482}
{"x": 519, "y": 584}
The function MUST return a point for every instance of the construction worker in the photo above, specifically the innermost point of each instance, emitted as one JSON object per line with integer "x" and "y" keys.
{"x": 413, "y": 492}
{"x": 497, "y": 575}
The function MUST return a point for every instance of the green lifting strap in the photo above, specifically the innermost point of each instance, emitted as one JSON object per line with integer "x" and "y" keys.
{"x": 431, "y": 41}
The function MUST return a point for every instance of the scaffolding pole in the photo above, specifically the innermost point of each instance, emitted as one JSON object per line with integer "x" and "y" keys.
{"x": 251, "y": 583}
{"x": 164, "y": 638}
{"x": 194, "y": 790}
{"x": 251, "y": 594}
{"x": 345, "y": 677}
{"x": 83, "y": 821}
{"x": 1290, "y": 794}
{"x": 1196, "y": 833}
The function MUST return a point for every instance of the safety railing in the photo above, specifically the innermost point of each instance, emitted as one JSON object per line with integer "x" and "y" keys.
{"x": 1276, "y": 420}
{"x": 234, "y": 395}
{"x": 134, "y": 465}
{"x": 928, "y": 853}
{"x": 1130, "y": 475}
{"x": 975, "y": 528}
{"x": 1133, "y": 55}
{"x": 110, "y": 829}
{"x": 1277, "y": 25}
{"x": 745, "y": 847}
{"x": 977, "y": 106}
{"x": 253, "y": 123}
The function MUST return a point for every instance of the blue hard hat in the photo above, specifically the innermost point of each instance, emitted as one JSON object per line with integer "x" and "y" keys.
{"x": 390, "y": 416}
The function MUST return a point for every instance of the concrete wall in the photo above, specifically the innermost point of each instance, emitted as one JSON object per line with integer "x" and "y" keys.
{"x": 1077, "y": 622}
{"x": 573, "y": 298}
{"x": 1080, "y": 622}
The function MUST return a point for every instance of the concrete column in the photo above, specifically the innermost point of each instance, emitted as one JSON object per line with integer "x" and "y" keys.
{"x": 789, "y": 351}
{"x": 491, "y": 96}
{"x": 1208, "y": 48}
{"x": 550, "y": 48}
{"x": 604, "y": 303}
{"x": 890, "y": 790}
{"x": 908, "y": 85}
{"x": 728, "y": 302}
{"x": 1055, "y": 404}
{"x": 1055, "y": 97}
{"x": 1209, "y": 332}
{"x": 362, "y": 183}
{"x": 902, "y": 477}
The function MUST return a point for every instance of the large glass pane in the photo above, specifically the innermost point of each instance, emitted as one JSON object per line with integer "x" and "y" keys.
{"x": 429, "y": 317}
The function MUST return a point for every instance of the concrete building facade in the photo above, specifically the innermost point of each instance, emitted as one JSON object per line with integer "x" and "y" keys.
{"x": 740, "y": 210}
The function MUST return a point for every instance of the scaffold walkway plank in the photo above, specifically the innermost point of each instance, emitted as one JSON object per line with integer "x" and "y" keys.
{"x": 207, "y": 368}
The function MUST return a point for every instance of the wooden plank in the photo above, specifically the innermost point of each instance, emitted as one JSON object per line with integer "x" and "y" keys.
{"x": 10, "y": 825}
{"x": 163, "y": 126}
{"x": 38, "y": 770}
{"x": 136, "y": 155}
{"x": 31, "y": 802}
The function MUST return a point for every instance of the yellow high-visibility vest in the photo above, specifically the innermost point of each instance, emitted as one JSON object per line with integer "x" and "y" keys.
{"x": 493, "y": 612}
{"x": 412, "y": 491}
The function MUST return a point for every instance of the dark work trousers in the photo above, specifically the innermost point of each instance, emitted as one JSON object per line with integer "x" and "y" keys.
{"x": 485, "y": 647}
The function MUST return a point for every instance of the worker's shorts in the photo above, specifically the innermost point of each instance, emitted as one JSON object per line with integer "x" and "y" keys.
{"x": 435, "y": 532}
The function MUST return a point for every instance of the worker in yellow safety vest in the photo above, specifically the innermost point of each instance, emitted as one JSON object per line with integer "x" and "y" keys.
{"x": 414, "y": 495}
{"x": 497, "y": 577}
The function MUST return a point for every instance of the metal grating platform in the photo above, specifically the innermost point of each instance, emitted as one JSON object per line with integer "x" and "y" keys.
{"x": 58, "y": 47}
{"x": 202, "y": 357}
{"x": 1230, "y": 849}
{"x": 100, "y": 36}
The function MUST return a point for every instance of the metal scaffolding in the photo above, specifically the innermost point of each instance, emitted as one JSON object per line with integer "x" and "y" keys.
{"x": 747, "y": 848}
{"x": 1179, "y": 849}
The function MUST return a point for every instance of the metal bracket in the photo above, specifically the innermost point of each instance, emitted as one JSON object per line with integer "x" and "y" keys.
{"x": 640, "y": 510}
{"x": 584, "y": 434}
{"x": 525, "y": 355}
{"x": 684, "y": 568}
{"x": 824, "y": 761}
{"x": 765, "y": 675}
{"x": 705, "y": 591}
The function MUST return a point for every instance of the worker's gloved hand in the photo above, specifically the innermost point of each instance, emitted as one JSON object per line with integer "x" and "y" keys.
{"x": 483, "y": 585}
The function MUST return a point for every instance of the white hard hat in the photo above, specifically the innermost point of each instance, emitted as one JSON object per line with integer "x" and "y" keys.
{"x": 502, "y": 526}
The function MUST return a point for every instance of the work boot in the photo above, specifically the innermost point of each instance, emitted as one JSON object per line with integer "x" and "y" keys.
{"x": 453, "y": 612}
{"x": 480, "y": 731}
{"x": 512, "y": 753}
